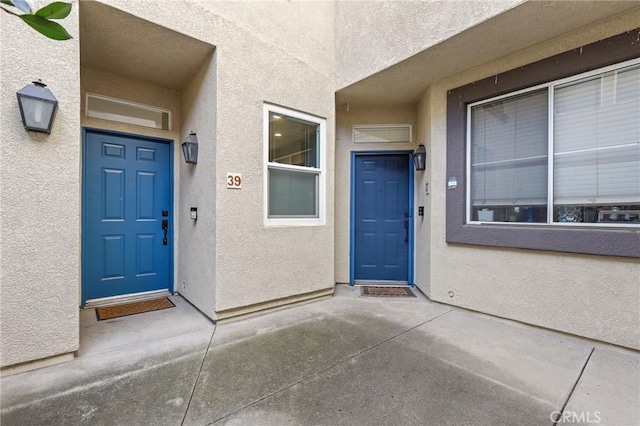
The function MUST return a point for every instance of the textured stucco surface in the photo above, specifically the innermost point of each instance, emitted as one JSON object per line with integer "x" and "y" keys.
{"x": 424, "y": 190}
{"x": 526, "y": 24}
{"x": 116, "y": 42}
{"x": 194, "y": 109}
{"x": 300, "y": 29}
{"x": 373, "y": 35}
{"x": 257, "y": 263}
{"x": 40, "y": 197}
{"x": 593, "y": 296}
{"x": 253, "y": 264}
{"x": 344, "y": 147}
{"x": 290, "y": 54}
{"x": 196, "y": 238}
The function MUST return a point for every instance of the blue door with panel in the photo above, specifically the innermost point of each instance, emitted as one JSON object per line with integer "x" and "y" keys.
{"x": 381, "y": 217}
{"x": 127, "y": 222}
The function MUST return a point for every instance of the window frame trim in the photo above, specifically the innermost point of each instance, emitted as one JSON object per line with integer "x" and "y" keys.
{"x": 603, "y": 241}
{"x": 550, "y": 88}
{"x": 320, "y": 172}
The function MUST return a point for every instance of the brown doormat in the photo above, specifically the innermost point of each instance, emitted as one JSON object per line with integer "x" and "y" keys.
{"x": 387, "y": 291}
{"x": 110, "y": 312}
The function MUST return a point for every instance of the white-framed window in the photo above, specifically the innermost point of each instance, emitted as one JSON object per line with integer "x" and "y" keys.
{"x": 566, "y": 152}
{"x": 294, "y": 167}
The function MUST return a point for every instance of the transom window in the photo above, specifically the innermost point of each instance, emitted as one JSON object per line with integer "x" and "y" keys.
{"x": 294, "y": 187}
{"x": 566, "y": 152}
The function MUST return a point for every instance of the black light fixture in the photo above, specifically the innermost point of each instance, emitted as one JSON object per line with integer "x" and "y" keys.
{"x": 190, "y": 148}
{"x": 38, "y": 107}
{"x": 420, "y": 157}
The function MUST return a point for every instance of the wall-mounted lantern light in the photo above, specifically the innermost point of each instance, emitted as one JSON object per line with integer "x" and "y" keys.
{"x": 190, "y": 148}
{"x": 38, "y": 107}
{"x": 420, "y": 157}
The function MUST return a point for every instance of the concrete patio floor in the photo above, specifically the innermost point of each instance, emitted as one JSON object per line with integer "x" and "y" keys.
{"x": 348, "y": 360}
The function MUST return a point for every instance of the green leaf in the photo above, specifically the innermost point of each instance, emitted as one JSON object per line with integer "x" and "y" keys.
{"x": 11, "y": 12}
{"x": 56, "y": 10}
{"x": 45, "y": 27}
{"x": 20, "y": 4}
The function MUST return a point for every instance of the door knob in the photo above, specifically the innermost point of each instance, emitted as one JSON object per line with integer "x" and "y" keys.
{"x": 165, "y": 228}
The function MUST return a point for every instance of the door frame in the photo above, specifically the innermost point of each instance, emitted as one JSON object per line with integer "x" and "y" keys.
{"x": 352, "y": 212}
{"x": 170, "y": 142}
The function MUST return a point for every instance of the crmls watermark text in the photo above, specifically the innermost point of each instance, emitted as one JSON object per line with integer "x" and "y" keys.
{"x": 592, "y": 417}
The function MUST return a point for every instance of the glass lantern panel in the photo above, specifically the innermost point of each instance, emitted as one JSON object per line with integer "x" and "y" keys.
{"x": 37, "y": 113}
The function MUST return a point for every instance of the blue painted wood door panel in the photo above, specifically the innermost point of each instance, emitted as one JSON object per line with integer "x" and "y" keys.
{"x": 126, "y": 189}
{"x": 382, "y": 217}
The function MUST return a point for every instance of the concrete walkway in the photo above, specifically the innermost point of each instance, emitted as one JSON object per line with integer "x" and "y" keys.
{"x": 348, "y": 360}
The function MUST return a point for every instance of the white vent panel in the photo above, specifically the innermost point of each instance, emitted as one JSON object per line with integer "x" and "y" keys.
{"x": 122, "y": 111}
{"x": 396, "y": 133}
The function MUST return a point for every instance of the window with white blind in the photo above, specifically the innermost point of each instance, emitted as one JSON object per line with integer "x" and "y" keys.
{"x": 509, "y": 161}
{"x": 294, "y": 167}
{"x": 563, "y": 152}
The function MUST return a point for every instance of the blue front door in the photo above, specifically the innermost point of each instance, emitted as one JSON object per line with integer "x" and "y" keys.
{"x": 127, "y": 215}
{"x": 381, "y": 217}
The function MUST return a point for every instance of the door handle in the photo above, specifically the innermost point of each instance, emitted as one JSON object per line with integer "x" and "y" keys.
{"x": 406, "y": 231}
{"x": 406, "y": 227}
{"x": 165, "y": 228}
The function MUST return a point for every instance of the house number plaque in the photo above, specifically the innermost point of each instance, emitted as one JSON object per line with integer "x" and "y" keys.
{"x": 234, "y": 180}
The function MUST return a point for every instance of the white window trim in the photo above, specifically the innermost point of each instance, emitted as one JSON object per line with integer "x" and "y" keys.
{"x": 550, "y": 86}
{"x": 319, "y": 171}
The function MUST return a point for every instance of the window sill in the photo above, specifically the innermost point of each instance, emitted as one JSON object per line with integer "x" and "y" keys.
{"x": 590, "y": 226}
{"x": 601, "y": 241}
{"x": 293, "y": 222}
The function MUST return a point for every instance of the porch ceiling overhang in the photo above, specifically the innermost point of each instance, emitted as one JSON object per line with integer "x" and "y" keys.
{"x": 523, "y": 26}
{"x": 119, "y": 43}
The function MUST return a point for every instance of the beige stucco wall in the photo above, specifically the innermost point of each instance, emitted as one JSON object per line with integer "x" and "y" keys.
{"x": 255, "y": 263}
{"x": 300, "y": 29}
{"x": 286, "y": 53}
{"x": 39, "y": 198}
{"x": 344, "y": 147}
{"x": 194, "y": 106}
{"x": 592, "y": 296}
{"x": 373, "y": 35}
{"x": 196, "y": 238}
{"x": 259, "y": 63}
{"x": 424, "y": 197}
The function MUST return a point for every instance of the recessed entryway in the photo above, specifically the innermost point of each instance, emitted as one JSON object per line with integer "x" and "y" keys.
{"x": 381, "y": 218}
{"x": 127, "y": 220}
{"x": 144, "y": 334}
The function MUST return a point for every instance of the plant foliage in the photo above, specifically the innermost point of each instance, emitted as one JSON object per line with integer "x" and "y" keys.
{"x": 41, "y": 20}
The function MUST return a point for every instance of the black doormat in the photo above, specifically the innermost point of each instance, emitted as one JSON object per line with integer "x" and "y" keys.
{"x": 110, "y": 312}
{"x": 383, "y": 291}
